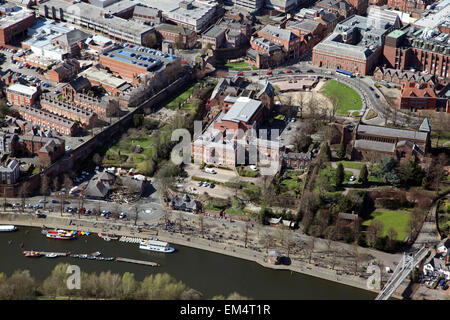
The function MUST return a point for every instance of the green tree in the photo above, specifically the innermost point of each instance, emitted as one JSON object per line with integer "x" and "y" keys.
{"x": 409, "y": 173}
{"x": 325, "y": 153}
{"x": 363, "y": 175}
{"x": 374, "y": 232}
{"x": 55, "y": 284}
{"x": 340, "y": 175}
{"x": 342, "y": 150}
{"x": 19, "y": 286}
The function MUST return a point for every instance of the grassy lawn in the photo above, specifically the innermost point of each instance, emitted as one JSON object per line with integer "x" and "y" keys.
{"x": 351, "y": 164}
{"x": 345, "y": 97}
{"x": 175, "y": 102}
{"x": 331, "y": 173}
{"x": 243, "y": 66}
{"x": 395, "y": 219}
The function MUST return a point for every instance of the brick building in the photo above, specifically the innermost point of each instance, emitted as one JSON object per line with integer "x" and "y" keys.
{"x": 420, "y": 50}
{"x": 339, "y": 7}
{"x": 359, "y": 5}
{"x": 78, "y": 85}
{"x": 285, "y": 38}
{"x": 19, "y": 94}
{"x": 45, "y": 148}
{"x": 398, "y": 143}
{"x": 402, "y": 77}
{"x": 179, "y": 35}
{"x": 9, "y": 173}
{"x": 49, "y": 121}
{"x": 67, "y": 110}
{"x": 415, "y": 96}
{"x": 355, "y": 45}
{"x": 100, "y": 77}
{"x": 408, "y": 5}
{"x": 64, "y": 70}
{"x": 14, "y": 24}
{"x": 98, "y": 106}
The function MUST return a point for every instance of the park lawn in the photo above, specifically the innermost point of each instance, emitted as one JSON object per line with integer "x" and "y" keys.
{"x": 243, "y": 66}
{"x": 331, "y": 173}
{"x": 137, "y": 158}
{"x": 234, "y": 211}
{"x": 175, "y": 102}
{"x": 143, "y": 141}
{"x": 346, "y": 98}
{"x": 351, "y": 164}
{"x": 395, "y": 219}
{"x": 291, "y": 183}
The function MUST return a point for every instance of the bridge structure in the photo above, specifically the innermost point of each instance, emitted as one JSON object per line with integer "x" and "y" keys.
{"x": 404, "y": 268}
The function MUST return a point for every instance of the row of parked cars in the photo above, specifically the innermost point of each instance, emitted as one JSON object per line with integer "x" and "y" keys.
{"x": 205, "y": 184}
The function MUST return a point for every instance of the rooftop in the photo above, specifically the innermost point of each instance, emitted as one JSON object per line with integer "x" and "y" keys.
{"x": 14, "y": 16}
{"x": 242, "y": 110}
{"x": 390, "y": 132}
{"x": 20, "y": 88}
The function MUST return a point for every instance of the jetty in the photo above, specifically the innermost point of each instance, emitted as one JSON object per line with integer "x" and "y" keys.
{"x": 147, "y": 263}
{"x": 45, "y": 253}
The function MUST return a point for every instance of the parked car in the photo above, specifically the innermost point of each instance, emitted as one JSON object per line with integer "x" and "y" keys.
{"x": 212, "y": 185}
{"x": 253, "y": 167}
{"x": 43, "y": 201}
{"x": 15, "y": 205}
{"x": 205, "y": 184}
{"x": 240, "y": 74}
{"x": 122, "y": 215}
{"x": 289, "y": 71}
{"x": 269, "y": 72}
{"x": 210, "y": 170}
{"x": 352, "y": 178}
{"x": 41, "y": 215}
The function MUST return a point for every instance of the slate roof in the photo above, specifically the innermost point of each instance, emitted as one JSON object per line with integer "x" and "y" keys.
{"x": 390, "y": 132}
{"x": 375, "y": 145}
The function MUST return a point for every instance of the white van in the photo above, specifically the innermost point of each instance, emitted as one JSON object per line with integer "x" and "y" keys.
{"x": 210, "y": 170}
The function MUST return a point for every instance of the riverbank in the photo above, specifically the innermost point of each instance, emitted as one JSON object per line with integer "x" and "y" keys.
{"x": 128, "y": 229}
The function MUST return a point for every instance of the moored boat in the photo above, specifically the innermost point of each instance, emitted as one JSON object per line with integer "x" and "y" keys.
{"x": 96, "y": 254}
{"x": 155, "y": 245}
{"x": 32, "y": 254}
{"x": 51, "y": 255}
{"x": 60, "y": 234}
{"x": 8, "y": 228}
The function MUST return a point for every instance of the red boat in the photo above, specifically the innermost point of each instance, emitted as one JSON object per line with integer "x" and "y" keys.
{"x": 60, "y": 234}
{"x": 32, "y": 254}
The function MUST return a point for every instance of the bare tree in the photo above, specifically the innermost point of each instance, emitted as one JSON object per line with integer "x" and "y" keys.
{"x": 180, "y": 220}
{"x": 310, "y": 248}
{"x": 245, "y": 230}
{"x": 167, "y": 214}
{"x": 201, "y": 223}
{"x": 267, "y": 240}
{"x": 45, "y": 187}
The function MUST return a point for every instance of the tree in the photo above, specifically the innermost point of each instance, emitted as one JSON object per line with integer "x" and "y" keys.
{"x": 267, "y": 241}
{"x": 391, "y": 238}
{"x": 167, "y": 214}
{"x": 24, "y": 192}
{"x": 45, "y": 187}
{"x": 409, "y": 173}
{"x": 374, "y": 231}
{"x": 245, "y": 230}
{"x": 363, "y": 175}
{"x": 342, "y": 150}
{"x": 19, "y": 286}
{"x": 180, "y": 220}
{"x": 436, "y": 171}
{"x": 55, "y": 284}
{"x": 340, "y": 175}
{"x": 128, "y": 286}
{"x": 324, "y": 184}
{"x": 324, "y": 154}
{"x": 387, "y": 170}
{"x": 415, "y": 223}
{"x": 201, "y": 224}
{"x": 302, "y": 141}
{"x": 97, "y": 159}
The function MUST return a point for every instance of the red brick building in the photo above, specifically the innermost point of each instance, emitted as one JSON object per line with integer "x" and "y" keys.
{"x": 19, "y": 94}
{"x": 49, "y": 121}
{"x": 404, "y": 51}
{"x": 359, "y": 5}
{"x": 64, "y": 70}
{"x": 46, "y": 149}
{"x": 53, "y": 105}
{"x": 177, "y": 34}
{"x": 416, "y": 96}
{"x": 284, "y": 38}
{"x": 79, "y": 85}
{"x": 408, "y": 5}
{"x": 14, "y": 26}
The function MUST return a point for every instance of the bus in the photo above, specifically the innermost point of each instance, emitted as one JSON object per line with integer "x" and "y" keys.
{"x": 345, "y": 73}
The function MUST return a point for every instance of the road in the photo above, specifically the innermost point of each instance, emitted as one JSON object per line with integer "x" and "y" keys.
{"x": 372, "y": 97}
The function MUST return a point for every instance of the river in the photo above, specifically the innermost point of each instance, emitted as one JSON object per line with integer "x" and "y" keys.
{"x": 210, "y": 273}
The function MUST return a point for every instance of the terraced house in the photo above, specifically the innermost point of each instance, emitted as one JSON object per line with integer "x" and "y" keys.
{"x": 52, "y": 104}
{"x": 49, "y": 121}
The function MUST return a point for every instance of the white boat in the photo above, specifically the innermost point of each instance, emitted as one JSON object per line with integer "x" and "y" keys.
{"x": 154, "y": 245}
{"x": 7, "y": 228}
